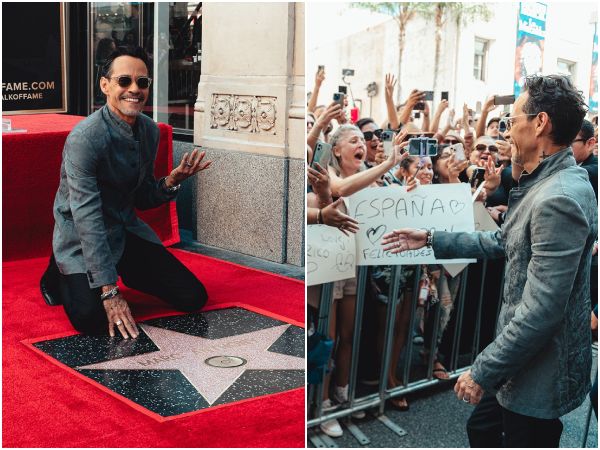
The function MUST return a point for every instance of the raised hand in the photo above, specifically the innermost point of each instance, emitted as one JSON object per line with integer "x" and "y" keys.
{"x": 404, "y": 239}
{"x": 319, "y": 77}
{"x": 319, "y": 180}
{"x": 492, "y": 175}
{"x": 488, "y": 106}
{"x": 332, "y": 112}
{"x": 455, "y": 167}
{"x": 333, "y": 217}
{"x": 442, "y": 106}
{"x": 390, "y": 83}
{"x": 190, "y": 165}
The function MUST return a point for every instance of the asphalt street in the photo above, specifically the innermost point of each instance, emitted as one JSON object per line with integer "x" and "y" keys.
{"x": 437, "y": 419}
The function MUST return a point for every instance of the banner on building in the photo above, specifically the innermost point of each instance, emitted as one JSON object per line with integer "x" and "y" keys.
{"x": 594, "y": 76}
{"x": 33, "y": 58}
{"x": 531, "y": 31}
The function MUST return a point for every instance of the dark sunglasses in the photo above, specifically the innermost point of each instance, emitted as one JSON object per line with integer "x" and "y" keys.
{"x": 369, "y": 134}
{"x": 450, "y": 141}
{"x": 483, "y": 147}
{"x": 125, "y": 81}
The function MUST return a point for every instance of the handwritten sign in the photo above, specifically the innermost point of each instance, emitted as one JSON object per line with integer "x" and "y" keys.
{"x": 443, "y": 207}
{"x": 330, "y": 255}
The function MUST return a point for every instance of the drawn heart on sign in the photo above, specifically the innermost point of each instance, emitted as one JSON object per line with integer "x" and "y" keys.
{"x": 374, "y": 234}
{"x": 456, "y": 206}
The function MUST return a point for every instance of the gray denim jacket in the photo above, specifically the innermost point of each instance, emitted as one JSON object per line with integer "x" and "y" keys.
{"x": 107, "y": 169}
{"x": 539, "y": 364}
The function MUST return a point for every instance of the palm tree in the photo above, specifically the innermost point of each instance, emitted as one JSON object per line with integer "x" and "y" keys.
{"x": 463, "y": 13}
{"x": 402, "y": 14}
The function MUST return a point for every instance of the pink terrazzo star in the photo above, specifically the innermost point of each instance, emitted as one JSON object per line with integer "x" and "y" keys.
{"x": 187, "y": 353}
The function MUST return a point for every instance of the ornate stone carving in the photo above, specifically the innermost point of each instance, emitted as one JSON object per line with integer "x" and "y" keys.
{"x": 265, "y": 113}
{"x": 220, "y": 111}
{"x": 243, "y": 113}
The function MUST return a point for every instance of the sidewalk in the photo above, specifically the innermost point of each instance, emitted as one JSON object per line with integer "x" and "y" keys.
{"x": 437, "y": 419}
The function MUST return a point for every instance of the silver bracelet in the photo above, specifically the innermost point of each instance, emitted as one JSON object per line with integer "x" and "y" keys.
{"x": 110, "y": 294}
{"x": 429, "y": 242}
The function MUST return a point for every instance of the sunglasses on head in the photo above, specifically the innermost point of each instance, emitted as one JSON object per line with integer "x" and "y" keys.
{"x": 483, "y": 147}
{"x": 369, "y": 134}
{"x": 126, "y": 80}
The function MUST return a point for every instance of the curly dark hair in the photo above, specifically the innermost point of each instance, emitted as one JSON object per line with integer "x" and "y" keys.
{"x": 556, "y": 96}
{"x": 137, "y": 52}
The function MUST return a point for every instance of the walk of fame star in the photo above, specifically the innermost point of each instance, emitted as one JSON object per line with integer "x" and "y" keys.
{"x": 190, "y": 362}
{"x": 188, "y": 354}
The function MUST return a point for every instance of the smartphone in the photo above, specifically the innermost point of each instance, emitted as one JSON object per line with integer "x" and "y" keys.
{"x": 444, "y": 95}
{"x": 504, "y": 99}
{"x": 387, "y": 137}
{"x": 459, "y": 151}
{"x": 322, "y": 155}
{"x": 428, "y": 96}
{"x": 343, "y": 89}
{"x": 339, "y": 98}
{"x": 422, "y": 146}
{"x": 417, "y": 115}
{"x": 348, "y": 72}
{"x": 321, "y": 68}
{"x": 477, "y": 176}
{"x": 502, "y": 126}
{"x": 418, "y": 134}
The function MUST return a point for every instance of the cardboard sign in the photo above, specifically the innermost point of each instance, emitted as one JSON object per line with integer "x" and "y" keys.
{"x": 330, "y": 255}
{"x": 443, "y": 207}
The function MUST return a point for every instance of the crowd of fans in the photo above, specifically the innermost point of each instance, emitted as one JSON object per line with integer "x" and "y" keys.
{"x": 471, "y": 149}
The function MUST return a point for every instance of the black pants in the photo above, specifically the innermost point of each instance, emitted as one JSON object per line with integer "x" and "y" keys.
{"x": 489, "y": 421}
{"x": 144, "y": 266}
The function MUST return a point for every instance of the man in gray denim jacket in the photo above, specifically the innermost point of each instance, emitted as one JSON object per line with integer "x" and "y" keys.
{"x": 106, "y": 172}
{"x": 538, "y": 367}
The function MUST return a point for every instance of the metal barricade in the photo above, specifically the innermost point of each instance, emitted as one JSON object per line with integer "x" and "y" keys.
{"x": 376, "y": 400}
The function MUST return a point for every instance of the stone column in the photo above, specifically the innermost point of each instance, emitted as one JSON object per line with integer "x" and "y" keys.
{"x": 249, "y": 117}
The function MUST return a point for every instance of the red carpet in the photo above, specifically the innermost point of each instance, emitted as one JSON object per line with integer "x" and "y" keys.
{"x": 45, "y": 406}
{"x": 30, "y": 176}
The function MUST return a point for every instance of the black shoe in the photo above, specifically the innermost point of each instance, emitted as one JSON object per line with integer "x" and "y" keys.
{"x": 49, "y": 285}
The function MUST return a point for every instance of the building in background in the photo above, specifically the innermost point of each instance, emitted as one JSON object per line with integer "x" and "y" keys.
{"x": 476, "y": 59}
{"x": 226, "y": 76}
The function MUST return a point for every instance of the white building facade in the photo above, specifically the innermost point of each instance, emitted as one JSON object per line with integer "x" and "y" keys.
{"x": 373, "y": 51}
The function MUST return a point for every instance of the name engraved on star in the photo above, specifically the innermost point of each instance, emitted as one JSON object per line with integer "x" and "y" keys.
{"x": 160, "y": 358}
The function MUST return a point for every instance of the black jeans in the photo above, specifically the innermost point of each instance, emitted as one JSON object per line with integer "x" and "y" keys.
{"x": 489, "y": 421}
{"x": 144, "y": 266}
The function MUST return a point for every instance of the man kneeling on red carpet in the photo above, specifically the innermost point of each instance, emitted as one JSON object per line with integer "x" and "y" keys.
{"x": 107, "y": 170}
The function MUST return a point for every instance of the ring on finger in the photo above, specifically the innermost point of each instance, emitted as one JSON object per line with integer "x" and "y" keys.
{"x": 118, "y": 322}
{"x": 189, "y": 164}
{"x": 466, "y": 400}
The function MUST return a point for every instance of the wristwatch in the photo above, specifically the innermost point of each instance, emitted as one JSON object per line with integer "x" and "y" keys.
{"x": 169, "y": 190}
{"x": 429, "y": 242}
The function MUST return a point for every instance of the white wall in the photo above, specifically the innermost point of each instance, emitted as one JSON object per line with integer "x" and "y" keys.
{"x": 372, "y": 52}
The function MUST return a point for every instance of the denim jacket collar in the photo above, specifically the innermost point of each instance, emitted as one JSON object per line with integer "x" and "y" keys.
{"x": 549, "y": 166}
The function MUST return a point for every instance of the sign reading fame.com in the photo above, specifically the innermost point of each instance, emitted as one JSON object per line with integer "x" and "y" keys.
{"x": 443, "y": 207}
